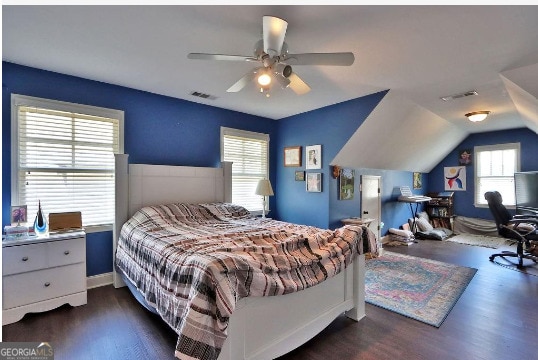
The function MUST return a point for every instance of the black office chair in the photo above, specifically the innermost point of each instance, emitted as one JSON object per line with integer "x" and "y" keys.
{"x": 511, "y": 227}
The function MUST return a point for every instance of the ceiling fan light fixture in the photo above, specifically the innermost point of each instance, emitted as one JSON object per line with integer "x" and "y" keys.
{"x": 283, "y": 81}
{"x": 477, "y": 116}
{"x": 283, "y": 69}
{"x": 264, "y": 79}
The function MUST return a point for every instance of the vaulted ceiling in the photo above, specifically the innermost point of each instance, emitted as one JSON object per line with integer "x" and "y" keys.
{"x": 421, "y": 53}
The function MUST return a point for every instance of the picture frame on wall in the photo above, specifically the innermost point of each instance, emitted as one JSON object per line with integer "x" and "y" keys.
{"x": 299, "y": 176}
{"x": 455, "y": 178}
{"x": 417, "y": 180}
{"x": 292, "y": 156}
{"x": 346, "y": 184}
{"x": 313, "y": 157}
{"x": 313, "y": 182}
{"x": 465, "y": 157}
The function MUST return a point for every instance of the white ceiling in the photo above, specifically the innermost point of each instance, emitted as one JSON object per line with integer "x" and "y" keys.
{"x": 420, "y": 52}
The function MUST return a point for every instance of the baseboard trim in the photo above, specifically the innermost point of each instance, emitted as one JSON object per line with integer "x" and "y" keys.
{"x": 99, "y": 280}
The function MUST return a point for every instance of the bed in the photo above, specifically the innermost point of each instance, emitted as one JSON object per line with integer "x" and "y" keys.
{"x": 231, "y": 285}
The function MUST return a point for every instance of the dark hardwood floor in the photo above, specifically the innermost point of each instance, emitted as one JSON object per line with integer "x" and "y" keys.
{"x": 495, "y": 318}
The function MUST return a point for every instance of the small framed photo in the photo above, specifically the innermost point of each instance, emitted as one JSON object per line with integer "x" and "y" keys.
{"x": 292, "y": 156}
{"x": 19, "y": 214}
{"x": 464, "y": 157}
{"x": 313, "y": 157}
{"x": 417, "y": 180}
{"x": 299, "y": 176}
{"x": 313, "y": 182}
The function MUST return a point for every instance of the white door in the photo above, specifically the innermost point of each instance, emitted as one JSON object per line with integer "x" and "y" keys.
{"x": 371, "y": 203}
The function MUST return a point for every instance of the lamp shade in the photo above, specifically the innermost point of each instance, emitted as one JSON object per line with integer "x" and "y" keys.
{"x": 264, "y": 188}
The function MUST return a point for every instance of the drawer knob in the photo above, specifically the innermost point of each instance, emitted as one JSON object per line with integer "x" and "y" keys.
{"x": 66, "y": 252}
{"x": 47, "y": 284}
{"x": 25, "y": 258}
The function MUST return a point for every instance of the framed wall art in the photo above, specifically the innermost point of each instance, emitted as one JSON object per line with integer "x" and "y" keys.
{"x": 346, "y": 184}
{"x": 417, "y": 180}
{"x": 299, "y": 176}
{"x": 313, "y": 182}
{"x": 292, "y": 156}
{"x": 313, "y": 157}
{"x": 455, "y": 178}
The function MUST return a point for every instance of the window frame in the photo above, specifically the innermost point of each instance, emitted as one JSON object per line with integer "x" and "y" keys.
{"x": 517, "y": 167}
{"x": 30, "y": 101}
{"x": 252, "y": 135}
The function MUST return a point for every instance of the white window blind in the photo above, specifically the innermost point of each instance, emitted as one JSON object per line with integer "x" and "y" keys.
{"x": 494, "y": 171}
{"x": 249, "y": 152}
{"x": 64, "y": 158}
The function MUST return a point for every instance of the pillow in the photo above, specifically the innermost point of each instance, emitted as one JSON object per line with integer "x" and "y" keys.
{"x": 423, "y": 224}
{"x": 403, "y": 233}
{"x": 424, "y": 214}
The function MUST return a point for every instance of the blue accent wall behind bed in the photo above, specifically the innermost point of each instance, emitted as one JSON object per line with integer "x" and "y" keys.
{"x": 158, "y": 130}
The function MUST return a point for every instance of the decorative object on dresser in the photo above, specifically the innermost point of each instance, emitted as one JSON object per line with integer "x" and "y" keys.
{"x": 440, "y": 209}
{"x": 65, "y": 221}
{"x": 40, "y": 223}
{"x": 41, "y": 273}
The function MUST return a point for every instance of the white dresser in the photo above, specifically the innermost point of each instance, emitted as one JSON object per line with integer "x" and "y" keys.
{"x": 42, "y": 273}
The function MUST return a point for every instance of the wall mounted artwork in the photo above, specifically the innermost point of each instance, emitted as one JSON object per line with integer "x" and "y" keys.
{"x": 313, "y": 157}
{"x": 292, "y": 156}
{"x": 455, "y": 178}
{"x": 313, "y": 182}
{"x": 346, "y": 184}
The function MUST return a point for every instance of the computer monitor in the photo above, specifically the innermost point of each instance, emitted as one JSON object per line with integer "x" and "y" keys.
{"x": 526, "y": 192}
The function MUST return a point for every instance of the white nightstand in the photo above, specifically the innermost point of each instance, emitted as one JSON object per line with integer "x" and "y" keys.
{"x": 42, "y": 273}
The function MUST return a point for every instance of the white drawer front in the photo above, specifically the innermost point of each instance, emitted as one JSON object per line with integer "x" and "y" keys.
{"x": 23, "y": 258}
{"x": 66, "y": 252}
{"x": 31, "y": 287}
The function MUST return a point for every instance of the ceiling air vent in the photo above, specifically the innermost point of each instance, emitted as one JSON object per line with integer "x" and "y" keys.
{"x": 203, "y": 96}
{"x": 459, "y": 96}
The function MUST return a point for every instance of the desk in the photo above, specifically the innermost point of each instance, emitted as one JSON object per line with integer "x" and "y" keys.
{"x": 358, "y": 221}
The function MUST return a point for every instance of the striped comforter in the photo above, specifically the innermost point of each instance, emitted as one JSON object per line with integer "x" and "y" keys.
{"x": 194, "y": 262}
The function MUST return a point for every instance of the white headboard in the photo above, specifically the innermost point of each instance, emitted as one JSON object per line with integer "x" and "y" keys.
{"x": 139, "y": 185}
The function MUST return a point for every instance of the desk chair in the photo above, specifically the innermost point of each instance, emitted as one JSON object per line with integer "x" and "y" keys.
{"x": 512, "y": 228}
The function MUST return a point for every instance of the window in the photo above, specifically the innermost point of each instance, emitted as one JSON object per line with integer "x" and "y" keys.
{"x": 63, "y": 157}
{"x": 494, "y": 171}
{"x": 249, "y": 152}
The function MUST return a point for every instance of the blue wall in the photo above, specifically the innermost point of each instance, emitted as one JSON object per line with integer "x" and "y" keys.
{"x": 331, "y": 127}
{"x": 464, "y": 200}
{"x": 164, "y": 130}
{"x": 158, "y": 130}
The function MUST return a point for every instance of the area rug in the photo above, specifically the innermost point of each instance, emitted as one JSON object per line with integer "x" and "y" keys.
{"x": 479, "y": 240}
{"x": 422, "y": 289}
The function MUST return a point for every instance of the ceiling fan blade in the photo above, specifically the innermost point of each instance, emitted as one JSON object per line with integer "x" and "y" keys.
{"x": 202, "y": 56}
{"x": 241, "y": 83}
{"x": 334, "y": 59}
{"x": 274, "y": 31}
{"x": 298, "y": 85}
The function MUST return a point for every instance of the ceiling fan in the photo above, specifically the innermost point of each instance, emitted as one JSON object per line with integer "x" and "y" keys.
{"x": 272, "y": 53}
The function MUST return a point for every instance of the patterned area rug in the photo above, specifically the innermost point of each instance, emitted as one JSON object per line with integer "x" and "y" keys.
{"x": 422, "y": 289}
{"x": 479, "y": 240}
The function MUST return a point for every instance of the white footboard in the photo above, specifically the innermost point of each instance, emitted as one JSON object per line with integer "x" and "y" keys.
{"x": 268, "y": 327}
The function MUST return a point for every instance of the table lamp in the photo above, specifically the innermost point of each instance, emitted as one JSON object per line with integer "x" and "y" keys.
{"x": 264, "y": 189}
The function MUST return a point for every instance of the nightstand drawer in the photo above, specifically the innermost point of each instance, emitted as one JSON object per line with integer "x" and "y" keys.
{"x": 31, "y": 287}
{"x": 66, "y": 252}
{"x": 18, "y": 259}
